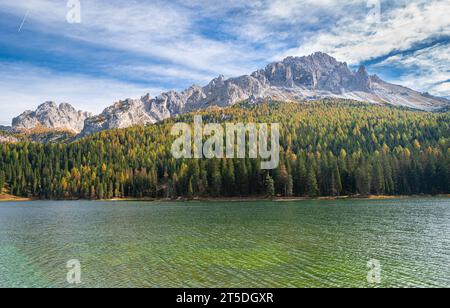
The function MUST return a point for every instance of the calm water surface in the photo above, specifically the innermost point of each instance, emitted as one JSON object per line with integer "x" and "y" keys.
{"x": 220, "y": 244}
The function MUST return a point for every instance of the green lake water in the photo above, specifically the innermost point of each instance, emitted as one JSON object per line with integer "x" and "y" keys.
{"x": 226, "y": 244}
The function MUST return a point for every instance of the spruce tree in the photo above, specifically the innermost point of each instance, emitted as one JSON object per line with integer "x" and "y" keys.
{"x": 312, "y": 188}
{"x": 2, "y": 181}
{"x": 270, "y": 186}
{"x": 190, "y": 188}
{"x": 290, "y": 187}
{"x": 363, "y": 180}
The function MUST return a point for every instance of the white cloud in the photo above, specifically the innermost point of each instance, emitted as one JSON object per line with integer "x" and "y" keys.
{"x": 158, "y": 30}
{"x": 170, "y": 31}
{"x": 356, "y": 40}
{"x": 161, "y": 73}
{"x": 24, "y": 87}
{"x": 442, "y": 90}
{"x": 426, "y": 70}
{"x": 290, "y": 9}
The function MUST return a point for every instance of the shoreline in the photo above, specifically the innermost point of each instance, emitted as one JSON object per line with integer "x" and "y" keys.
{"x": 10, "y": 198}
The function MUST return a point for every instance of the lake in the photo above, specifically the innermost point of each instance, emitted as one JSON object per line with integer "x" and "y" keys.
{"x": 227, "y": 244}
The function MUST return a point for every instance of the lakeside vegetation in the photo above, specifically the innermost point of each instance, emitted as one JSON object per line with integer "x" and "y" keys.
{"x": 328, "y": 148}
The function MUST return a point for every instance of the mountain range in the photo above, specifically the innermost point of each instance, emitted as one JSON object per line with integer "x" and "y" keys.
{"x": 294, "y": 79}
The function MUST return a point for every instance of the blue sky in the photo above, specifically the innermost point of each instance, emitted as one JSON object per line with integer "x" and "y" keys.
{"x": 125, "y": 49}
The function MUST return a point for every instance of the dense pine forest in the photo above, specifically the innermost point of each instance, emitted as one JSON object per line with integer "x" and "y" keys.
{"x": 328, "y": 148}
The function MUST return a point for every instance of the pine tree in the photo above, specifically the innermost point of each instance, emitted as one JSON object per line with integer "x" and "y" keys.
{"x": 229, "y": 177}
{"x": 204, "y": 185}
{"x": 190, "y": 188}
{"x": 336, "y": 175}
{"x": 363, "y": 181}
{"x": 283, "y": 179}
{"x": 378, "y": 181}
{"x": 389, "y": 186}
{"x": 290, "y": 187}
{"x": 300, "y": 177}
{"x": 101, "y": 192}
{"x": 447, "y": 180}
{"x": 270, "y": 186}
{"x": 216, "y": 178}
{"x": 174, "y": 191}
{"x": 2, "y": 181}
{"x": 312, "y": 188}
{"x": 194, "y": 174}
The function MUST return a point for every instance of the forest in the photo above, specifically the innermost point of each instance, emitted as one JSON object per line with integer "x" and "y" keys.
{"x": 328, "y": 148}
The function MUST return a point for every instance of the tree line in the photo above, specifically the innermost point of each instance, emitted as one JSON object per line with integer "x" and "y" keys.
{"x": 328, "y": 148}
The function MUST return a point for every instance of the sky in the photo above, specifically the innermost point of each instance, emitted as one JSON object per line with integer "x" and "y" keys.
{"x": 114, "y": 49}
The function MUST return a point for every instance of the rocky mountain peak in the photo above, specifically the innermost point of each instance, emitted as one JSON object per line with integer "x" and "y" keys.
{"x": 362, "y": 81}
{"x": 315, "y": 72}
{"x": 362, "y": 70}
{"x": 216, "y": 82}
{"x": 50, "y": 115}
{"x": 46, "y": 105}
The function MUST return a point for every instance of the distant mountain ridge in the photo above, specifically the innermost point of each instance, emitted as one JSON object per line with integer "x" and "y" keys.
{"x": 52, "y": 116}
{"x": 293, "y": 79}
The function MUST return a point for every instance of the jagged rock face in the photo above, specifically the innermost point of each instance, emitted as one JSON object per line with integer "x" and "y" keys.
{"x": 52, "y": 116}
{"x": 295, "y": 78}
{"x": 122, "y": 114}
{"x": 316, "y": 72}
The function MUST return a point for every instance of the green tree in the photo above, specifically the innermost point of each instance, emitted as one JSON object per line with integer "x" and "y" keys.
{"x": 363, "y": 181}
{"x": 290, "y": 187}
{"x": 312, "y": 188}
{"x": 377, "y": 183}
{"x": 301, "y": 177}
{"x": 242, "y": 182}
{"x": 270, "y": 186}
{"x": 216, "y": 179}
{"x": 2, "y": 181}
{"x": 101, "y": 192}
{"x": 190, "y": 188}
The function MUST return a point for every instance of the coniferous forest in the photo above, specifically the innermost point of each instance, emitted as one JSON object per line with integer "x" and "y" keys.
{"x": 328, "y": 148}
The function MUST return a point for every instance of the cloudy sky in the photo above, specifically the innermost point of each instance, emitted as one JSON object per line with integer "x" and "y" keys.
{"x": 128, "y": 48}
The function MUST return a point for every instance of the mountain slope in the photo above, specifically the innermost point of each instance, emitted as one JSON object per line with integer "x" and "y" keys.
{"x": 293, "y": 79}
{"x": 328, "y": 148}
{"x": 51, "y": 116}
